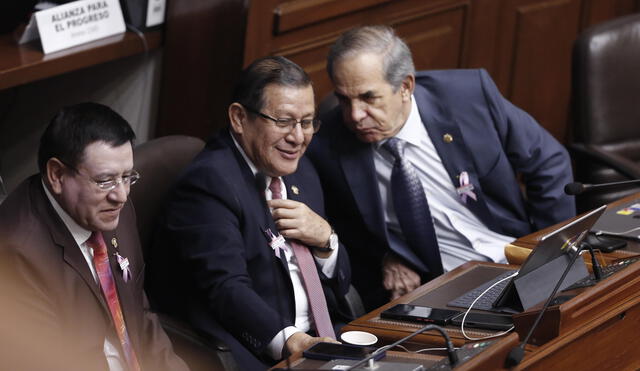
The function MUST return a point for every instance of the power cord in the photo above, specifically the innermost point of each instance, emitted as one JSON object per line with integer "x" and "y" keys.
{"x": 464, "y": 318}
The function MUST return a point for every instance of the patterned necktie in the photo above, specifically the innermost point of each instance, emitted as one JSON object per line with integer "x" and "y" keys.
{"x": 307, "y": 266}
{"x": 412, "y": 208}
{"x": 108, "y": 286}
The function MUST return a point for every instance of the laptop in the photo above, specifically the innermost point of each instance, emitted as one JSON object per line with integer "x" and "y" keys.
{"x": 620, "y": 221}
{"x": 539, "y": 274}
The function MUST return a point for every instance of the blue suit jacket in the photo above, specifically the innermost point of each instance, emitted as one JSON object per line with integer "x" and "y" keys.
{"x": 493, "y": 141}
{"x": 234, "y": 286}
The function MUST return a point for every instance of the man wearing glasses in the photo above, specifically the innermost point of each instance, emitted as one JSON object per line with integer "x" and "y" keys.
{"x": 244, "y": 232}
{"x": 71, "y": 262}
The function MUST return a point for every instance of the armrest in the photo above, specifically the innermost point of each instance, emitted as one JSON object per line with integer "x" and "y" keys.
{"x": 355, "y": 308}
{"x": 174, "y": 326}
{"x": 624, "y": 166}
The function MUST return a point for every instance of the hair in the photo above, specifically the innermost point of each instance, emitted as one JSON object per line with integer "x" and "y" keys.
{"x": 397, "y": 62}
{"x": 75, "y": 127}
{"x": 263, "y": 72}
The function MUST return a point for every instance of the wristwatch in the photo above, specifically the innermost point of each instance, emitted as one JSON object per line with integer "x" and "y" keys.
{"x": 332, "y": 244}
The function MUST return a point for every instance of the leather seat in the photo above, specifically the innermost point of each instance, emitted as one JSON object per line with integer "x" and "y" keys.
{"x": 606, "y": 127}
{"x": 159, "y": 162}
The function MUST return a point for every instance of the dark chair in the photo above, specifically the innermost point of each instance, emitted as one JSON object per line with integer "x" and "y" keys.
{"x": 159, "y": 162}
{"x": 606, "y": 94}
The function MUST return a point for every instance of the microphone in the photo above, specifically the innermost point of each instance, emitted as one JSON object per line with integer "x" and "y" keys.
{"x": 576, "y": 188}
{"x": 517, "y": 353}
{"x": 451, "y": 352}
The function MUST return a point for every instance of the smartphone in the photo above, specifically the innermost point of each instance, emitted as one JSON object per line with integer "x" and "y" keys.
{"x": 329, "y": 351}
{"x": 488, "y": 321}
{"x": 408, "y": 312}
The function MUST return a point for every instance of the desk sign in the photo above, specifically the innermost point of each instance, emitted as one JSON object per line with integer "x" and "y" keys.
{"x": 75, "y": 23}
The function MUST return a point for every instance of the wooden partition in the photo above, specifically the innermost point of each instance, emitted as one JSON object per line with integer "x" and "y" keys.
{"x": 524, "y": 44}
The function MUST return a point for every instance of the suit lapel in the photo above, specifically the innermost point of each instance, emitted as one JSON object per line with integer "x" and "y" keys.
{"x": 70, "y": 250}
{"x": 254, "y": 192}
{"x": 454, "y": 154}
{"x": 356, "y": 159}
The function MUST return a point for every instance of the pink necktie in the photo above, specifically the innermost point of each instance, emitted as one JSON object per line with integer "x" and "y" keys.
{"x": 108, "y": 286}
{"x": 307, "y": 266}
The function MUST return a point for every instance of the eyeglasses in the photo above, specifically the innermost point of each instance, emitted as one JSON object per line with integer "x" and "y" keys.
{"x": 287, "y": 124}
{"x": 109, "y": 184}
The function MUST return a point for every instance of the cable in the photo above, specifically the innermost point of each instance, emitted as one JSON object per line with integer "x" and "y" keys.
{"x": 600, "y": 233}
{"x": 474, "y": 302}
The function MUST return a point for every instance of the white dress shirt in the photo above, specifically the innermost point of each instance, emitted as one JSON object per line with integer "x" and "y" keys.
{"x": 303, "y": 319}
{"x": 461, "y": 235}
{"x": 81, "y": 235}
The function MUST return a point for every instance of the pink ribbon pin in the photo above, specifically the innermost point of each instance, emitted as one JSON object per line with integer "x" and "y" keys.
{"x": 124, "y": 267}
{"x": 466, "y": 188}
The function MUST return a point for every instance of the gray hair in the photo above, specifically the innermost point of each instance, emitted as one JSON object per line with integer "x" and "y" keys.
{"x": 397, "y": 62}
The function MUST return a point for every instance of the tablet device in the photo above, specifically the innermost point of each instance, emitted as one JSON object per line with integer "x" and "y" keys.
{"x": 488, "y": 321}
{"x": 329, "y": 351}
{"x": 408, "y": 312}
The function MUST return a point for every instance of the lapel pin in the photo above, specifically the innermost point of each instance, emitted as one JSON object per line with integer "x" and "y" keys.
{"x": 295, "y": 190}
{"x": 448, "y": 138}
{"x": 466, "y": 188}
{"x": 124, "y": 267}
{"x": 276, "y": 242}
{"x": 114, "y": 243}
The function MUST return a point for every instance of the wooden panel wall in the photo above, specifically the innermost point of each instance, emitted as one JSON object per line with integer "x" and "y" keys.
{"x": 524, "y": 44}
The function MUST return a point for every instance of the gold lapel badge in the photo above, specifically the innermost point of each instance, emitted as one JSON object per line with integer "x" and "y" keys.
{"x": 114, "y": 243}
{"x": 448, "y": 138}
{"x": 295, "y": 190}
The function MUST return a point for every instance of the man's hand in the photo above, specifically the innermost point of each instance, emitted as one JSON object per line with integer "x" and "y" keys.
{"x": 297, "y": 221}
{"x": 397, "y": 277}
{"x": 301, "y": 341}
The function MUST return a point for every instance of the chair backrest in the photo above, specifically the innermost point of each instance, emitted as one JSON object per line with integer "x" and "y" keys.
{"x": 159, "y": 162}
{"x": 606, "y": 85}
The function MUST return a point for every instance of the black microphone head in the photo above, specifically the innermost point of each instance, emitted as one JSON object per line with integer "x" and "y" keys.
{"x": 574, "y": 188}
{"x": 514, "y": 357}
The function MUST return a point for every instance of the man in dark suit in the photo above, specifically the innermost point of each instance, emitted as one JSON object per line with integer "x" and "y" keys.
{"x": 240, "y": 282}
{"x": 70, "y": 260}
{"x": 421, "y": 171}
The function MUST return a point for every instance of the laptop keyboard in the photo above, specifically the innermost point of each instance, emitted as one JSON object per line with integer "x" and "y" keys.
{"x": 487, "y": 300}
{"x": 606, "y": 272}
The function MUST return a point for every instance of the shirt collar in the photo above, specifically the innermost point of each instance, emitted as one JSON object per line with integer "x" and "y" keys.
{"x": 80, "y": 235}
{"x": 254, "y": 169}
{"x": 413, "y": 129}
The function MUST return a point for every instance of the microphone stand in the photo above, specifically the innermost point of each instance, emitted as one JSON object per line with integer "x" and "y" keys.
{"x": 453, "y": 356}
{"x": 517, "y": 353}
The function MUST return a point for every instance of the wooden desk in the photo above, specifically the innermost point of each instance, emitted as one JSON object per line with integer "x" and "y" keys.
{"x": 518, "y": 251}
{"x": 595, "y": 330}
{"x": 21, "y": 64}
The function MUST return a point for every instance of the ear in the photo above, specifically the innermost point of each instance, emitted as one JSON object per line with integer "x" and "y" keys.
{"x": 408, "y": 84}
{"x": 237, "y": 117}
{"x": 55, "y": 171}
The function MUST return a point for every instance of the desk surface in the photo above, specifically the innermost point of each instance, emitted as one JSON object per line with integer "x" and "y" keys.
{"x": 21, "y": 64}
{"x": 518, "y": 250}
{"x": 437, "y": 293}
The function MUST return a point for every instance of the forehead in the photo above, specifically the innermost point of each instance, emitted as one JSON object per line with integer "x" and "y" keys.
{"x": 289, "y": 99}
{"x": 358, "y": 74}
{"x": 101, "y": 157}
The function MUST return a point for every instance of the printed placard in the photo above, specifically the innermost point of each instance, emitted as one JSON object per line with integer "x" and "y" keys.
{"x": 155, "y": 12}
{"x": 78, "y": 22}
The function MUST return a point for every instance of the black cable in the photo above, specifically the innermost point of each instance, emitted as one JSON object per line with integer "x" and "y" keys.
{"x": 453, "y": 356}
{"x": 517, "y": 353}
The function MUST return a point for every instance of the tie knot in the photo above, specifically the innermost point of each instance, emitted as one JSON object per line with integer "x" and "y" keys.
{"x": 274, "y": 187}
{"x": 395, "y": 146}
